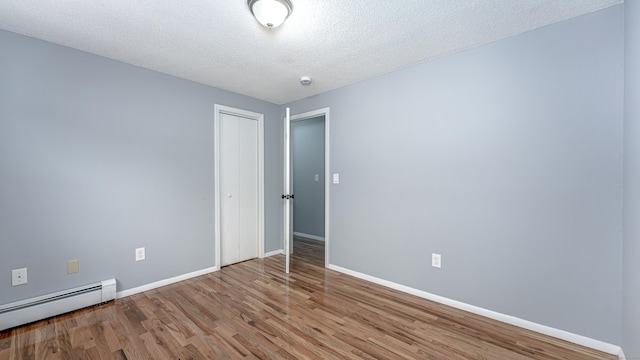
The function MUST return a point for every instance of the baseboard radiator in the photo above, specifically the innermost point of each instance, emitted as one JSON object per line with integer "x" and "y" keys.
{"x": 42, "y": 307}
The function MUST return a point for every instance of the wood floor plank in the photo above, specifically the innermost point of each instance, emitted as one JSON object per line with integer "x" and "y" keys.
{"x": 253, "y": 310}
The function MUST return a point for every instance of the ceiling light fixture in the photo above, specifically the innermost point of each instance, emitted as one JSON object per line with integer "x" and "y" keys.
{"x": 270, "y": 13}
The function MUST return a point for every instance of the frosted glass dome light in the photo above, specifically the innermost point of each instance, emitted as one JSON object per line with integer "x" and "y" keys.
{"x": 270, "y": 13}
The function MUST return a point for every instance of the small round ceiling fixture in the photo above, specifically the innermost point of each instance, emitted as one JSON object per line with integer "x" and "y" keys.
{"x": 270, "y": 13}
{"x": 305, "y": 80}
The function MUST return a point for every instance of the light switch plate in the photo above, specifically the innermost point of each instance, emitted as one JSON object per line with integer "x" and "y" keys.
{"x": 336, "y": 178}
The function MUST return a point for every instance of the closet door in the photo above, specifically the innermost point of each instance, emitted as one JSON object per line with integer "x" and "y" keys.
{"x": 238, "y": 188}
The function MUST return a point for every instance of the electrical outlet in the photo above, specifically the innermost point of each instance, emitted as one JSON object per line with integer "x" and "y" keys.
{"x": 73, "y": 266}
{"x": 140, "y": 254}
{"x": 436, "y": 260}
{"x": 18, "y": 277}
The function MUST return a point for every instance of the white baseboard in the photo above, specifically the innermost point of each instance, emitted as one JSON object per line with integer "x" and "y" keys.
{"x": 275, "y": 252}
{"x": 621, "y": 355}
{"x": 157, "y": 284}
{"x": 512, "y": 320}
{"x": 312, "y": 237}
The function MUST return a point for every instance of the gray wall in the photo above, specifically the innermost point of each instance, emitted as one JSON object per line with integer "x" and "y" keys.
{"x": 507, "y": 160}
{"x": 307, "y": 143}
{"x": 631, "y": 279}
{"x": 98, "y": 157}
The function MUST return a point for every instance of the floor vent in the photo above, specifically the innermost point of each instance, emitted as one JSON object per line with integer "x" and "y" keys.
{"x": 42, "y": 307}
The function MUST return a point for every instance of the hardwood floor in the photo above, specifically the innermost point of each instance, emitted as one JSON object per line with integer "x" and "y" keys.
{"x": 252, "y": 310}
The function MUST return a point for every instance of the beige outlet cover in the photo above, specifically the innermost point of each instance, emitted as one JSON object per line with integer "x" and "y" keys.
{"x": 72, "y": 266}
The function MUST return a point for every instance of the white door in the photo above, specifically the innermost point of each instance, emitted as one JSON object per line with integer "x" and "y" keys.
{"x": 288, "y": 223}
{"x": 238, "y": 188}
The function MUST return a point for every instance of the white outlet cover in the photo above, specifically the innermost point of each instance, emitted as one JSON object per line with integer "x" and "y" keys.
{"x": 140, "y": 254}
{"x": 436, "y": 260}
{"x": 18, "y": 277}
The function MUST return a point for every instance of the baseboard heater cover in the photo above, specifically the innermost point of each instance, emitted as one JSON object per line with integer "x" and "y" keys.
{"x": 42, "y": 307}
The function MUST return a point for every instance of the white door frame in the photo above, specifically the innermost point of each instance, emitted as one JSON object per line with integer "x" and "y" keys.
{"x": 221, "y": 109}
{"x": 327, "y": 177}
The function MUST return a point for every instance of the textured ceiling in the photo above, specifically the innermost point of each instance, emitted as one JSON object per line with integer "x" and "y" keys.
{"x": 336, "y": 42}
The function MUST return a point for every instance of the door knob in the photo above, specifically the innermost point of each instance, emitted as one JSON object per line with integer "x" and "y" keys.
{"x": 229, "y": 195}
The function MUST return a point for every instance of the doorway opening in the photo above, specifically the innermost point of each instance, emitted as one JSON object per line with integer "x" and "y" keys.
{"x": 309, "y": 171}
